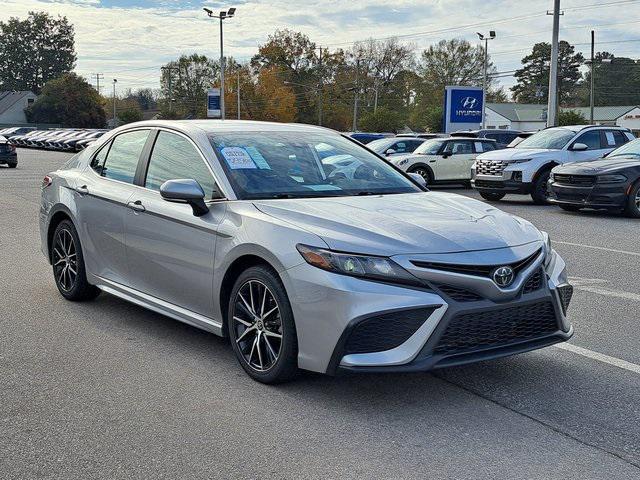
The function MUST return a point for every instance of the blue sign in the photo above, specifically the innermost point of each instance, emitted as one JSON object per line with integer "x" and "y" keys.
{"x": 213, "y": 103}
{"x": 466, "y": 106}
{"x": 463, "y": 108}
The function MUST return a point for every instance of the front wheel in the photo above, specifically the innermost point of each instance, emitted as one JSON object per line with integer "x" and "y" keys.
{"x": 540, "y": 193}
{"x": 492, "y": 196}
{"x": 423, "y": 172}
{"x": 261, "y": 326}
{"x": 633, "y": 202}
{"x": 12, "y": 165}
{"x": 68, "y": 264}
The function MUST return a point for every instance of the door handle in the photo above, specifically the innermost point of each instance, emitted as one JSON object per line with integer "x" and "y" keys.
{"x": 432, "y": 161}
{"x": 83, "y": 190}
{"x": 136, "y": 206}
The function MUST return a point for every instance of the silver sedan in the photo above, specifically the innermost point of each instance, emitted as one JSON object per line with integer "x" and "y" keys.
{"x": 243, "y": 229}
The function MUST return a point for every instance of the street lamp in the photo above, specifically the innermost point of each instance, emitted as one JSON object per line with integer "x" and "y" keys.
{"x": 222, "y": 16}
{"x": 115, "y": 80}
{"x": 491, "y": 36}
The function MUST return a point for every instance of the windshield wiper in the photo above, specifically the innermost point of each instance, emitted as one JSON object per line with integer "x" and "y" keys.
{"x": 365, "y": 193}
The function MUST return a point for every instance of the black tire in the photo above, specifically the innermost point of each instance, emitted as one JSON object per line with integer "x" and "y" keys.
{"x": 424, "y": 172}
{"x": 263, "y": 364}
{"x": 570, "y": 208}
{"x": 12, "y": 165}
{"x": 66, "y": 251}
{"x": 633, "y": 202}
{"x": 540, "y": 191}
{"x": 492, "y": 196}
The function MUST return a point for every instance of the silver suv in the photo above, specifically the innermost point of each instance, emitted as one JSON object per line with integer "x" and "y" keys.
{"x": 244, "y": 230}
{"x": 525, "y": 168}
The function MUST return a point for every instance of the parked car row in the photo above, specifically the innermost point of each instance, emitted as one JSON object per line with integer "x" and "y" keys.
{"x": 69, "y": 139}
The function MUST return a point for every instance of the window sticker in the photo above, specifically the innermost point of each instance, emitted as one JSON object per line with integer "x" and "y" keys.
{"x": 610, "y": 139}
{"x": 257, "y": 157}
{"x": 479, "y": 147}
{"x": 237, "y": 158}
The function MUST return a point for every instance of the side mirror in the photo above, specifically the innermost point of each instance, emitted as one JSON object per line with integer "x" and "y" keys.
{"x": 419, "y": 179}
{"x": 391, "y": 151}
{"x": 185, "y": 191}
{"x": 446, "y": 154}
{"x": 579, "y": 147}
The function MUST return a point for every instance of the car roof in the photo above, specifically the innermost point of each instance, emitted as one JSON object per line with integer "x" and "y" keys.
{"x": 579, "y": 128}
{"x": 222, "y": 126}
{"x": 473, "y": 139}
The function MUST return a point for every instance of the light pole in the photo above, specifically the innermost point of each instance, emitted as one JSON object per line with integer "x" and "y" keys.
{"x": 115, "y": 80}
{"x": 552, "y": 106}
{"x": 222, "y": 16}
{"x": 491, "y": 36}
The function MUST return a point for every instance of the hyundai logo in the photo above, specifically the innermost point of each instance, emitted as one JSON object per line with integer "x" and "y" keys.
{"x": 503, "y": 276}
{"x": 469, "y": 103}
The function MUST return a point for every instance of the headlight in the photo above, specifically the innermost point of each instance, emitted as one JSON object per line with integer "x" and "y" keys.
{"x": 375, "y": 268}
{"x": 522, "y": 160}
{"x": 548, "y": 250}
{"x": 611, "y": 178}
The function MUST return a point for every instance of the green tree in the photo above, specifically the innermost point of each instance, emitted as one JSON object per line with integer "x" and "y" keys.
{"x": 616, "y": 81}
{"x": 426, "y": 118}
{"x": 68, "y": 100}
{"x": 383, "y": 120}
{"x": 129, "y": 115}
{"x": 34, "y": 51}
{"x": 533, "y": 77}
{"x": 571, "y": 117}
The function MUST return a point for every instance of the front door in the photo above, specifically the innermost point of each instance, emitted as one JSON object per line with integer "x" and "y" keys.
{"x": 454, "y": 161}
{"x": 170, "y": 251}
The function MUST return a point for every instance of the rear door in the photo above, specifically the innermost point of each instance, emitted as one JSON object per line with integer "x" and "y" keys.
{"x": 169, "y": 250}
{"x": 105, "y": 188}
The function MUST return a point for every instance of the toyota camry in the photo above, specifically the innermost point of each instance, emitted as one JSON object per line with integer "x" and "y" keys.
{"x": 242, "y": 229}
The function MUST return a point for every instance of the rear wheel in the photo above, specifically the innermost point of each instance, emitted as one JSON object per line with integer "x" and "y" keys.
{"x": 540, "y": 193}
{"x": 68, "y": 264}
{"x": 261, "y": 326}
{"x": 633, "y": 202}
{"x": 424, "y": 172}
{"x": 492, "y": 196}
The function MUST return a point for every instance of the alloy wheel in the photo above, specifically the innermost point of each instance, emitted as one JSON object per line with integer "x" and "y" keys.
{"x": 257, "y": 325}
{"x": 423, "y": 173}
{"x": 65, "y": 260}
{"x": 637, "y": 200}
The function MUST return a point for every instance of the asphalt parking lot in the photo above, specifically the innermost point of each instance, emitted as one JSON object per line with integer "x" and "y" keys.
{"x": 109, "y": 390}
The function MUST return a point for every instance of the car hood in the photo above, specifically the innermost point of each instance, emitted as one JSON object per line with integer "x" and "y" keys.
{"x": 430, "y": 222}
{"x": 602, "y": 165}
{"x": 516, "y": 154}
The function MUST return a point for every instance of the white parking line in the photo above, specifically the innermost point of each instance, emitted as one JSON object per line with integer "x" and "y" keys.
{"x": 626, "y": 252}
{"x": 598, "y": 286}
{"x": 600, "y": 357}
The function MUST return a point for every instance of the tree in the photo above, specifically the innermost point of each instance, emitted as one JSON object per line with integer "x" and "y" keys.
{"x": 277, "y": 102}
{"x": 383, "y": 120}
{"x": 616, "y": 81}
{"x": 68, "y": 100}
{"x": 129, "y": 115}
{"x": 34, "y": 51}
{"x": 571, "y": 117}
{"x": 427, "y": 118}
{"x": 533, "y": 77}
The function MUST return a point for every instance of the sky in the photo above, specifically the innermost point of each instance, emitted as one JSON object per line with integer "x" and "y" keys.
{"x": 131, "y": 39}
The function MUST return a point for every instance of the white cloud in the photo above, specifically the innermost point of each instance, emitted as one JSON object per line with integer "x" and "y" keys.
{"x": 131, "y": 43}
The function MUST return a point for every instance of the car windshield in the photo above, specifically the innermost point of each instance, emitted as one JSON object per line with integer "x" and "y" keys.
{"x": 430, "y": 147}
{"x": 551, "y": 138}
{"x": 629, "y": 149}
{"x": 381, "y": 145}
{"x": 283, "y": 164}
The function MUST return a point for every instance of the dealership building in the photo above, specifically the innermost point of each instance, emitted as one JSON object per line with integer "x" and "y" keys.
{"x": 532, "y": 117}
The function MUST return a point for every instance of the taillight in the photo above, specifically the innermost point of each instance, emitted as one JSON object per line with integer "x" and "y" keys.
{"x": 46, "y": 181}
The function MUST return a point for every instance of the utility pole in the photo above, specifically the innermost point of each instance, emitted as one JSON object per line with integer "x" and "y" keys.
{"x": 98, "y": 77}
{"x": 492, "y": 35}
{"x": 375, "y": 96}
{"x": 238, "y": 94}
{"x": 552, "y": 117}
{"x": 170, "y": 84}
{"x": 114, "y": 102}
{"x": 320, "y": 88}
{"x": 593, "y": 54}
{"x": 355, "y": 99}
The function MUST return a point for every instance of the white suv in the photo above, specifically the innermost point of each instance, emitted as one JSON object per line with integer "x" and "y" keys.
{"x": 525, "y": 169}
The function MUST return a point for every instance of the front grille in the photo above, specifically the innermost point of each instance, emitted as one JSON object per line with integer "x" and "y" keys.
{"x": 565, "y": 292}
{"x": 386, "y": 331}
{"x": 575, "y": 180}
{"x": 459, "y": 294}
{"x": 477, "y": 270}
{"x": 490, "y": 167}
{"x": 534, "y": 282}
{"x": 497, "y": 328}
{"x": 4, "y": 147}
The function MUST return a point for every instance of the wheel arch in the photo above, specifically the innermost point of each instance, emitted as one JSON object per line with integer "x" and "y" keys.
{"x": 543, "y": 168}
{"x": 422, "y": 165}
{"x": 58, "y": 214}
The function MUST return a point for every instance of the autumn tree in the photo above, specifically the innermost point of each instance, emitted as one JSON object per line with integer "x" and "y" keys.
{"x": 277, "y": 101}
{"x": 34, "y": 51}
{"x": 533, "y": 77}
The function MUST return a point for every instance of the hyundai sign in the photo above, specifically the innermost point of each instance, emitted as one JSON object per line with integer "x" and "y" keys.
{"x": 213, "y": 103}
{"x": 462, "y": 108}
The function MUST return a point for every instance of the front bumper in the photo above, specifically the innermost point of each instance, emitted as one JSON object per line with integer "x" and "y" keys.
{"x": 330, "y": 309}
{"x": 8, "y": 157}
{"x": 596, "y": 196}
{"x": 500, "y": 184}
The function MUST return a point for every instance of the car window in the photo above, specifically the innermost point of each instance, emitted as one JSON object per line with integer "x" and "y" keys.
{"x": 174, "y": 157}
{"x": 551, "y": 138}
{"x": 620, "y": 138}
{"x": 590, "y": 139}
{"x": 123, "y": 156}
{"x": 400, "y": 147}
{"x": 458, "y": 147}
{"x": 413, "y": 144}
{"x": 98, "y": 161}
{"x": 287, "y": 164}
{"x": 629, "y": 149}
{"x": 485, "y": 147}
